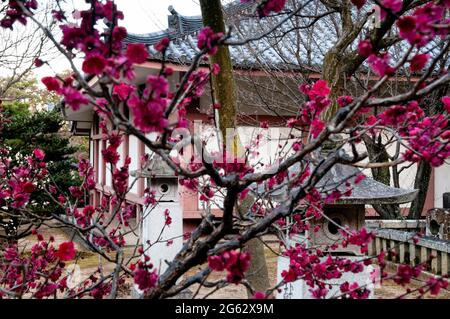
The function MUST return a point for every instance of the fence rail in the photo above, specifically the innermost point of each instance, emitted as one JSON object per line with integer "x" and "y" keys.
{"x": 408, "y": 251}
{"x": 406, "y": 224}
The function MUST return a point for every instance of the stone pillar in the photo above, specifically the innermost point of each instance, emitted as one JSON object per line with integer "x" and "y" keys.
{"x": 300, "y": 290}
{"x": 162, "y": 224}
{"x": 157, "y": 234}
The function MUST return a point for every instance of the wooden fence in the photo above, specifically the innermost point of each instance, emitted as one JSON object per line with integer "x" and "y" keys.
{"x": 409, "y": 251}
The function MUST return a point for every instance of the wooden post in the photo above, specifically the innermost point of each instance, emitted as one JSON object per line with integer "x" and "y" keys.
{"x": 225, "y": 94}
{"x": 423, "y": 254}
{"x": 384, "y": 246}
{"x": 434, "y": 262}
{"x": 378, "y": 245}
{"x": 401, "y": 253}
{"x": 372, "y": 249}
{"x": 393, "y": 251}
{"x": 412, "y": 254}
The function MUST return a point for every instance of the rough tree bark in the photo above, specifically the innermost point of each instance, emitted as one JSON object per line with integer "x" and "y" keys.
{"x": 223, "y": 83}
{"x": 339, "y": 64}
{"x": 224, "y": 91}
{"x": 378, "y": 154}
{"x": 424, "y": 170}
{"x": 421, "y": 182}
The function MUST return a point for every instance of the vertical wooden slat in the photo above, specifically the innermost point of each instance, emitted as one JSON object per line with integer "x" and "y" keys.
{"x": 371, "y": 248}
{"x": 444, "y": 263}
{"x": 378, "y": 245}
{"x": 423, "y": 254}
{"x": 401, "y": 252}
{"x": 412, "y": 254}
{"x": 384, "y": 245}
{"x": 393, "y": 251}
{"x": 434, "y": 262}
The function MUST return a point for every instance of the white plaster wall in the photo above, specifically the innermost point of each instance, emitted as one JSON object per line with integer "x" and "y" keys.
{"x": 120, "y": 151}
{"x": 108, "y": 181}
{"x": 100, "y": 163}
{"x": 91, "y": 152}
{"x": 134, "y": 165}
{"x": 274, "y": 144}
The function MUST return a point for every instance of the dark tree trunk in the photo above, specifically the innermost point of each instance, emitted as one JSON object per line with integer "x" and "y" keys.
{"x": 378, "y": 154}
{"x": 421, "y": 183}
{"x": 223, "y": 83}
{"x": 257, "y": 274}
{"x": 225, "y": 94}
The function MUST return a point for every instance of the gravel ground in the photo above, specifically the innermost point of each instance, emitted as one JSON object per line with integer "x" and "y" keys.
{"x": 88, "y": 263}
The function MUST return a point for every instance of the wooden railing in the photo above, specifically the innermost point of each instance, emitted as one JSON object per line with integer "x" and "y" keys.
{"x": 412, "y": 252}
{"x": 406, "y": 224}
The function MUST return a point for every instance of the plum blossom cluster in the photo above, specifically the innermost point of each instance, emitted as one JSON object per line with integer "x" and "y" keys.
{"x": 145, "y": 276}
{"x": 208, "y": 40}
{"x": 18, "y": 182}
{"x": 427, "y": 136}
{"x": 236, "y": 263}
{"x": 310, "y": 111}
{"x": 86, "y": 172}
{"x": 94, "y": 286}
{"x": 110, "y": 154}
{"x": 435, "y": 284}
{"x": 39, "y": 274}
{"x": 105, "y": 57}
{"x": 405, "y": 273}
{"x": 103, "y": 51}
{"x": 149, "y": 108}
{"x": 361, "y": 238}
{"x": 15, "y": 12}
{"x": 317, "y": 268}
{"x": 418, "y": 28}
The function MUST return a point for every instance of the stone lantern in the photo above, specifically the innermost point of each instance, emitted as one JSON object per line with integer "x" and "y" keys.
{"x": 161, "y": 179}
{"x": 347, "y": 211}
{"x": 165, "y": 241}
{"x": 438, "y": 223}
{"x": 350, "y": 210}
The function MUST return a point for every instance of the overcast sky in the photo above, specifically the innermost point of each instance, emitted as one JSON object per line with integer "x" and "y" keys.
{"x": 141, "y": 16}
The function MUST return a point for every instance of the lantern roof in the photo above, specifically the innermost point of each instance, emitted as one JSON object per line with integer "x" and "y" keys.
{"x": 366, "y": 192}
{"x": 156, "y": 168}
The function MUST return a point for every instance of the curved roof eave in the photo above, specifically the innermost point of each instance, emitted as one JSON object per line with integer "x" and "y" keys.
{"x": 366, "y": 192}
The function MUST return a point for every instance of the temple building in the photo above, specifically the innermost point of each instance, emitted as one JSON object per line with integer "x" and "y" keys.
{"x": 267, "y": 73}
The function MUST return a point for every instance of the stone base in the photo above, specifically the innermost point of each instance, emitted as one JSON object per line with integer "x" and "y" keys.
{"x": 300, "y": 290}
{"x": 185, "y": 294}
{"x": 136, "y": 293}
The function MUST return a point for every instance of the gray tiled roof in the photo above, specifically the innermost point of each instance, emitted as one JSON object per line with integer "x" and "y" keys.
{"x": 366, "y": 192}
{"x": 289, "y": 47}
{"x": 282, "y": 49}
